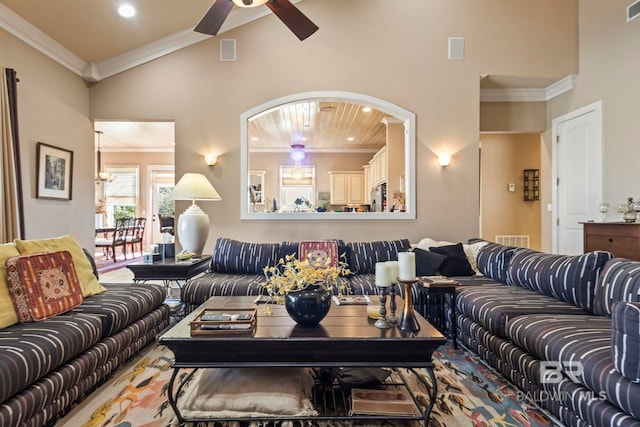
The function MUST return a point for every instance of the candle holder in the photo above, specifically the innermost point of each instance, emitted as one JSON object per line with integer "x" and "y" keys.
{"x": 382, "y": 322}
{"x": 392, "y": 305}
{"x": 408, "y": 321}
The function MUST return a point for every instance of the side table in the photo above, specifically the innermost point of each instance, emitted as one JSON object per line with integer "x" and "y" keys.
{"x": 170, "y": 270}
{"x": 433, "y": 295}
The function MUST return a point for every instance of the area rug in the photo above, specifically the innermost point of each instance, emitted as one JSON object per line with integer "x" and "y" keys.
{"x": 470, "y": 394}
{"x": 106, "y": 265}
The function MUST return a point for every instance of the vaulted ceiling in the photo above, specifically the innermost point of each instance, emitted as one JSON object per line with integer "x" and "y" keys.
{"x": 91, "y": 39}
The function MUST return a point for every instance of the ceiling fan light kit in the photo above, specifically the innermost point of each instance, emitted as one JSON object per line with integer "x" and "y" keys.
{"x": 290, "y": 15}
{"x": 249, "y": 3}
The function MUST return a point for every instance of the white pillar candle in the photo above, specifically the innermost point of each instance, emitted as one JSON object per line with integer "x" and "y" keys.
{"x": 382, "y": 275}
{"x": 393, "y": 271}
{"x": 407, "y": 265}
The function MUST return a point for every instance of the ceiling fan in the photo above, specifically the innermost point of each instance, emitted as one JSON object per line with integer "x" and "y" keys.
{"x": 290, "y": 15}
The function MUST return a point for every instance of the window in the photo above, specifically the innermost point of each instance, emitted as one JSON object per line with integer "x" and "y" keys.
{"x": 122, "y": 194}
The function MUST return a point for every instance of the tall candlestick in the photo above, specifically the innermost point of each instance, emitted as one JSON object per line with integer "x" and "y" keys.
{"x": 407, "y": 266}
{"x": 382, "y": 275}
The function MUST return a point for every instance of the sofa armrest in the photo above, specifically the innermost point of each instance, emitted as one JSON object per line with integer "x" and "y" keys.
{"x": 625, "y": 336}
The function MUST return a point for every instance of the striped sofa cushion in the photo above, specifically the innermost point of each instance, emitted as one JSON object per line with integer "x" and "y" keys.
{"x": 493, "y": 306}
{"x": 122, "y": 304}
{"x": 493, "y": 261}
{"x": 29, "y": 351}
{"x": 618, "y": 281}
{"x": 571, "y": 278}
{"x": 232, "y": 256}
{"x": 584, "y": 339}
{"x": 625, "y": 335}
{"x": 365, "y": 255}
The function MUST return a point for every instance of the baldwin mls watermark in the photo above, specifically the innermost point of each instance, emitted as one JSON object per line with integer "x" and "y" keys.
{"x": 552, "y": 372}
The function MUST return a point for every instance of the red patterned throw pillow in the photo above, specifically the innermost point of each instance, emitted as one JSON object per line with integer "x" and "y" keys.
{"x": 43, "y": 285}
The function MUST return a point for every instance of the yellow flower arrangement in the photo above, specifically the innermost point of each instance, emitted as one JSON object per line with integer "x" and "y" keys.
{"x": 291, "y": 274}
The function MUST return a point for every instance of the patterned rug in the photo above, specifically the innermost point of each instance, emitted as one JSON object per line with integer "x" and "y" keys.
{"x": 470, "y": 394}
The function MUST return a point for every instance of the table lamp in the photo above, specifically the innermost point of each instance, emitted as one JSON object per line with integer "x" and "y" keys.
{"x": 193, "y": 224}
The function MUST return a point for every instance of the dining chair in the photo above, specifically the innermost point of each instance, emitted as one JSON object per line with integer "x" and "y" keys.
{"x": 117, "y": 238}
{"x": 135, "y": 233}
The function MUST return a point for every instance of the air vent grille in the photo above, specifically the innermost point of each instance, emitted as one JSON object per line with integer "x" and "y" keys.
{"x": 633, "y": 10}
{"x": 518, "y": 240}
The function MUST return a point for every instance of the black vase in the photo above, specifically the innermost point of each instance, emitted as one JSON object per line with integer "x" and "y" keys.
{"x": 308, "y": 306}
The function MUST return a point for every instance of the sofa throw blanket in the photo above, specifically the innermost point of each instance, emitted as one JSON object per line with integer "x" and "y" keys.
{"x": 320, "y": 253}
{"x": 250, "y": 392}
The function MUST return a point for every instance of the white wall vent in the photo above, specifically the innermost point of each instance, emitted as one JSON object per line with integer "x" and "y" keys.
{"x": 227, "y": 50}
{"x": 456, "y": 47}
{"x": 517, "y": 240}
{"x": 633, "y": 10}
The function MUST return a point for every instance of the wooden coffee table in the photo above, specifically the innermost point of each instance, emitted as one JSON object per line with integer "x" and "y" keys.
{"x": 345, "y": 338}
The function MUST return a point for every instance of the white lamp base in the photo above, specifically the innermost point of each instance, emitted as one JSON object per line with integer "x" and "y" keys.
{"x": 193, "y": 229}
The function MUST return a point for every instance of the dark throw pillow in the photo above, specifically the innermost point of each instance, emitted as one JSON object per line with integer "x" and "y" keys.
{"x": 456, "y": 263}
{"x": 428, "y": 263}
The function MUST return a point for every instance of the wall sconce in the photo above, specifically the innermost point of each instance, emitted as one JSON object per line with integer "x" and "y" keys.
{"x": 444, "y": 159}
{"x": 211, "y": 159}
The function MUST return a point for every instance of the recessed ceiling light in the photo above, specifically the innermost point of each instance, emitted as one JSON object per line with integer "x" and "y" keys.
{"x": 350, "y": 138}
{"x": 126, "y": 11}
{"x": 366, "y": 109}
{"x": 254, "y": 138}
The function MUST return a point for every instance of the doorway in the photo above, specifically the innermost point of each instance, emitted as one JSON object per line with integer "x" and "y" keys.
{"x": 162, "y": 179}
{"x": 509, "y": 214}
{"x": 148, "y": 148}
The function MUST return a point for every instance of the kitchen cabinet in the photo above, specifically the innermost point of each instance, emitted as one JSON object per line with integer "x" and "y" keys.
{"x": 368, "y": 184}
{"x": 379, "y": 167}
{"x": 347, "y": 187}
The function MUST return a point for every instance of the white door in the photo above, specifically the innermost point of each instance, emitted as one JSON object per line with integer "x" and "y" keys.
{"x": 162, "y": 183}
{"x": 578, "y": 173}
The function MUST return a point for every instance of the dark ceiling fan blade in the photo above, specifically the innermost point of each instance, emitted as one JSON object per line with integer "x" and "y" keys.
{"x": 214, "y": 18}
{"x": 291, "y": 16}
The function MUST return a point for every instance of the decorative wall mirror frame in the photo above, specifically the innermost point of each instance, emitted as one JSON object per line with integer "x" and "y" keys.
{"x": 254, "y": 157}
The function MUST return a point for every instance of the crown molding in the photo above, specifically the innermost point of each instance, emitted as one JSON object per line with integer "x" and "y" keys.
{"x": 94, "y": 72}
{"x": 23, "y": 30}
{"x": 561, "y": 86}
{"x": 531, "y": 94}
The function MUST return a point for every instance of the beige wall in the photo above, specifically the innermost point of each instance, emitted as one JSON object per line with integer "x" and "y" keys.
{"x": 513, "y": 116}
{"x": 609, "y": 65}
{"x": 396, "y": 51}
{"x": 53, "y": 107}
{"x": 504, "y": 157}
{"x": 391, "y": 50}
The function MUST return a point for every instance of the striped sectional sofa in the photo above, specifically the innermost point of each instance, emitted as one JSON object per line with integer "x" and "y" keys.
{"x": 564, "y": 329}
{"x": 237, "y": 267}
{"x": 49, "y": 365}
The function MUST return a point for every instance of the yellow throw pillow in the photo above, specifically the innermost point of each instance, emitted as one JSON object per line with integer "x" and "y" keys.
{"x": 8, "y": 314}
{"x": 84, "y": 271}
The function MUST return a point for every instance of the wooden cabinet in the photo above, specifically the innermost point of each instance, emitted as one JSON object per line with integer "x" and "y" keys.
{"x": 346, "y": 187}
{"x": 620, "y": 238}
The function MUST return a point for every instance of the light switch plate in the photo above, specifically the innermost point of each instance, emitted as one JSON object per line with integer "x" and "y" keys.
{"x": 512, "y": 187}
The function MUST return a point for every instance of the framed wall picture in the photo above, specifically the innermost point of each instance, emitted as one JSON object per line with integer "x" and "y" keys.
{"x": 54, "y": 172}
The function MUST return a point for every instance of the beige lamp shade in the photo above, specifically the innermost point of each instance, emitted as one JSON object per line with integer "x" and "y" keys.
{"x": 194, "y": 186}
{"x": 193, "y": 224}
